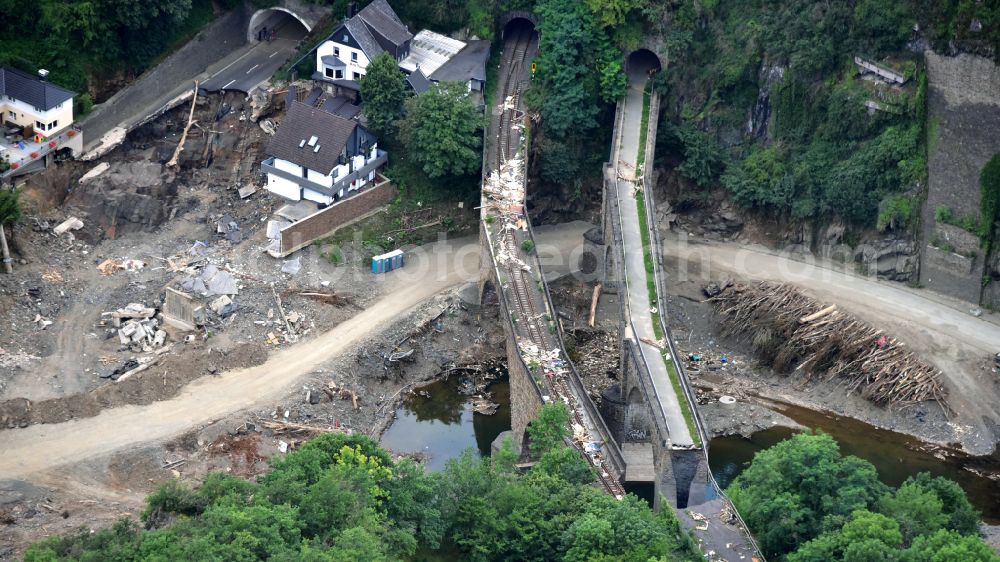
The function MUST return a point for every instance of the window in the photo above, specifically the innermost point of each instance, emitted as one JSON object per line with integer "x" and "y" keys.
{"x": 305, "y": 172}
{"x": 336, "y": 51}
{"x": 39, "y": 125}
{"x": 329, "y": 72}
{"x": 345, "y": 39}
{"x": 53, "y": 125}
{"x": 354, "y": 56}
{"x": 357, "y": 76}
{"x": 340, "y": 75}
{"x": 12, "y": 114}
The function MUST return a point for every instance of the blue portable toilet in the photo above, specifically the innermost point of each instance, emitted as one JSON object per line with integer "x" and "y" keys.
{"x": 385, "y": 263}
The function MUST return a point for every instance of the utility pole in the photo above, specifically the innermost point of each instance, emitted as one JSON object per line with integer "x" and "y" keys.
{"x": 6, "y": 253}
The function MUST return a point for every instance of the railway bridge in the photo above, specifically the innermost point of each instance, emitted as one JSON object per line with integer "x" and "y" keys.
{"x": 655, "y": 435}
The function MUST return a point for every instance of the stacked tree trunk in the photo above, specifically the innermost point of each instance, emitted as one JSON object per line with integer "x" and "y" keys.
{"x": 794, "y": 333}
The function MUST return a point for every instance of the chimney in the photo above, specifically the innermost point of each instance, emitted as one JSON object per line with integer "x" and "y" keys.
{"x": 352, "y": 9}
{"x": 43, "y": 74}
{"x": 291, "y": 96}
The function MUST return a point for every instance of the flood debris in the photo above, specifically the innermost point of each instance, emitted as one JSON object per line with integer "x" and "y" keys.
{"x": 797, "y": 334}
{"x": 71, "y": 223}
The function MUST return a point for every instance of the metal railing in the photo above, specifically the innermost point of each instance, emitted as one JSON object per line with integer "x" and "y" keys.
{"x": 39, "y": 152}
{"x": 267, "y": 167}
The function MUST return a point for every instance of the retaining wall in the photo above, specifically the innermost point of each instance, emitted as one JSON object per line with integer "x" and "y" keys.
{"x": 326, "y": 221}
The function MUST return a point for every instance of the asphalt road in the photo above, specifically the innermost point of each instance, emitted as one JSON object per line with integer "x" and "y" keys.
{"x": 253, "y": 68}
{"x": 223, "y": 39}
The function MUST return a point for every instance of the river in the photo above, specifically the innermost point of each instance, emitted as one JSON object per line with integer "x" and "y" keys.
{"x": 896, "y": 456}
{"x": 443, "y": 424}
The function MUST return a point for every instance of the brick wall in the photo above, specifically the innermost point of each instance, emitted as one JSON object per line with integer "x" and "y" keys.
{"x": 325, "y": 222}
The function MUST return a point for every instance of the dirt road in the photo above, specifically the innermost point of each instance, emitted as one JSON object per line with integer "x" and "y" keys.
{"x": 429, "y": 270}
{"x": 39, "y": 447}
{"x": 937, "y": 328}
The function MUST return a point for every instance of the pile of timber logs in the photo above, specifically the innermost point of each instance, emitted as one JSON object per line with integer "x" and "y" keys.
{"x": 794, "y": 333}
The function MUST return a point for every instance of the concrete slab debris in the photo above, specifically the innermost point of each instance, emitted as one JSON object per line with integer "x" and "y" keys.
{"x": 274, "y": 228}
{"x": 71, "y": 223}
{"x": 95, "y": 171}
{"x": 179, "y": 310}
{"x": 291, "y": 267}
{"x": 247, "y": 191}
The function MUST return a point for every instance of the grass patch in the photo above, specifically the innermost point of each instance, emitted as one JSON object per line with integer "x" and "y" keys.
{"x": 643, "y": 128}
{"x": 422, "y": 210}
{"x": 492, "y": 75}
{"x": 675, "y": 379}
{"x": 969, "y": 223}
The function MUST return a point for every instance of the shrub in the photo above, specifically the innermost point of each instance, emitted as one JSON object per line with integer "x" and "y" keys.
{"x": 528, "y": 246}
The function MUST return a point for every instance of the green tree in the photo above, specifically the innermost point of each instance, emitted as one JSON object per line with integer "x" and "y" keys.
{"x": 949, "y": 546}
{"x": 383, "y": 90}
{"x": 918, "y": 510}
{"x": 866, "y": 537}
{"x": 790, "y": 489}
{"x": 443, "y": 130}
{"x": 550, "y": 429}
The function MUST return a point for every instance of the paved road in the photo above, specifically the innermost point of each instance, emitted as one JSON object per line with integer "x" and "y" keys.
{"x": 429, "y": 270}
{"x": 212, "y": 49}
{"x": 253, "y": 67}
{"x": 635, "y": 269}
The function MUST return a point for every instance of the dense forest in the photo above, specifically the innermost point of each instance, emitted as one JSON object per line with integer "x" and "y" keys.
{"x": 342, "y": 498}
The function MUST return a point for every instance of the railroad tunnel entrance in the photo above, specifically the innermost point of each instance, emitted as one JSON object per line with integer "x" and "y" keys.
{"x": 518, "y": 25}
{"x": 274, "y": 23}
{"x": 642, "y": 61}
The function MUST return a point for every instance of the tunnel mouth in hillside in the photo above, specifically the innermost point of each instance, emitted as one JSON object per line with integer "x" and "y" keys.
{"x": 277, "y": 23}
{"x": 643, "y": 60}
{"x": 517, "y": 26}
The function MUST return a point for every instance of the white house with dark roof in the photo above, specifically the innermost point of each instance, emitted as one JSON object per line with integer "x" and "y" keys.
{"x": 319, "y": 155}
{"x": 33, "y": 103}
{"x": 343, "y": 58}
{"x": 37, "y": 119}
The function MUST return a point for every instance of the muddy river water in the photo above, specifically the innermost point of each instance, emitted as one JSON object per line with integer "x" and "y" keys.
{"x": 443, "y": 424}
{"x": 896, "y": 456}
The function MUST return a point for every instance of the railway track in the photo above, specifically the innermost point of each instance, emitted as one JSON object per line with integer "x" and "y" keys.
{"x": 529, "y": 307}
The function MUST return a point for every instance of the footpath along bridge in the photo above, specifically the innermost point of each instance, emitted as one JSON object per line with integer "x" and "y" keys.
{"x": 656, "y": 436}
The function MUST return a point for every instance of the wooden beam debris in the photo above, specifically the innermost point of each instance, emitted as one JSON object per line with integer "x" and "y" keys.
{"x": 794, "y": 333}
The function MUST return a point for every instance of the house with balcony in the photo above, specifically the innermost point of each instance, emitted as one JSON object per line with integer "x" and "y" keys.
{"x": 343, "y": 58}
{"x": 37, "y": 119}
{"x": 317, "y": 154}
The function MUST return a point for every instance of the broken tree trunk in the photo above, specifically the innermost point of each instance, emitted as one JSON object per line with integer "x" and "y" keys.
{"x": 593, "y": 304}
{"x": 6, "y": 253}
{"x": 180, "y": 145}
{"x": 817, "y": 315}
{"x": 281, "y": 310}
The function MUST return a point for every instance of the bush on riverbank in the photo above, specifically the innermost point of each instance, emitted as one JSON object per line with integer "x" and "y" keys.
{"x": 806, "y": 503}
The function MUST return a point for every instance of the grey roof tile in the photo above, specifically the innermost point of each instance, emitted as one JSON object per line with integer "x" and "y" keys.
{"x": 302, "y": 122}
{"x": 468, "y": 64}
{"x": 380, "y": 16}
{"x": 32, "y": 90}
{"x": 418, "y": 81}
{"x": 364, "y": 37}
